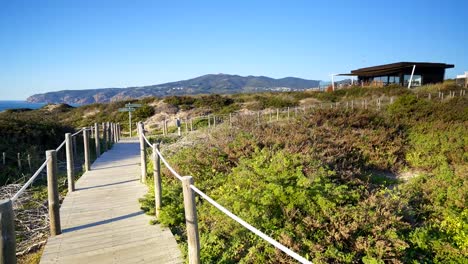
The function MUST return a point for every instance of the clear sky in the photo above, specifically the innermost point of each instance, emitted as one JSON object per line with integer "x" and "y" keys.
{"x": 58, "y": 45}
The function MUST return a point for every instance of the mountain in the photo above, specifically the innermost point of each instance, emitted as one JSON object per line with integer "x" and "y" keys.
{"x": 206, "y": 84}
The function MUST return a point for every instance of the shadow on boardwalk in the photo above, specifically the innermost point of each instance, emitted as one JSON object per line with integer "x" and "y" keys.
{"x": 102, "y": 221}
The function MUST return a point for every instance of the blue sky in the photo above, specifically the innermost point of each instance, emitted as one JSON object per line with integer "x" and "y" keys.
{"x": 58, "y": 45}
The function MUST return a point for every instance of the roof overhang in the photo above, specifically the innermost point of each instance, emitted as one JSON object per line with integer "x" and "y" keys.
{"x": 393, "y": 68}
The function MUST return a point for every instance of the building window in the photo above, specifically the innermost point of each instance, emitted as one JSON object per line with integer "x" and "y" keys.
{"x": 417, "y": 80}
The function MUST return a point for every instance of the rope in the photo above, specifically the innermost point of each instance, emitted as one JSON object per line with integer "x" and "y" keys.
{"x": 61, "y": 145}
{"x": 147, "y": 141}
{"x": 30, "y": 181}
{"x": 169, "y": 166}
{"x": 251, "y": 228}
{"x": 77, "y": 132}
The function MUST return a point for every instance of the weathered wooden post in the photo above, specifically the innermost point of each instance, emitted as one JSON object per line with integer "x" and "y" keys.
{"x": 429, "y": 96}
{"x": 258, "y": 117}
{"x": 141, "y": 131}
{"x": 52, "y": 192}
{"x": 29, "y": 162}
{"x": 109, "y": 136}
{"x": 288, "y": 112}
{"x": 75, "y": 149}
{"x": 157, "y": 179}
{"x": 7, "y": 232}
{"x": 70, "y": 162}
{"x": 91, "y": 133}
{"x": 214, "y": 121}
{"x": 87, "y": 163}
{"x": 191, "y": 221}
{"x": 104, "y": 136}
{"x": 209, "y": 121}
{"x": 179, "y": 133}
{"x": 277, "y": 114}
{"x": 96, "y": 140}
{"x": 19, "y": 161}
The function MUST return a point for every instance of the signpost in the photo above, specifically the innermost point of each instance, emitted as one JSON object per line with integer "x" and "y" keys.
{"x": 129, "y": 108}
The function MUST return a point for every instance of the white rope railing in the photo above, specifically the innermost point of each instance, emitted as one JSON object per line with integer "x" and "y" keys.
{"x": 251, "y": 228}
{"x": 30, "y": 181}
{"x": 147, "y": 141}
{"x": 81, "y": 130}
{"x": 177, "y": 175}
{"x": 233, "y": 216}
{"x": 61, "y": 145}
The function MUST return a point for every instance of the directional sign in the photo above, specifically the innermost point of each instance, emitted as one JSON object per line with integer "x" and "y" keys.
{"x": 127, "y": 109}
{"x": 133, "y": 105}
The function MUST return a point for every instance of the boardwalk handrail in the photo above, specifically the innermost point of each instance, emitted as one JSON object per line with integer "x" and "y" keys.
{"x": 110, "y": 134}
{"x": 30, "y": 181}
{"x": 234, "y": 217}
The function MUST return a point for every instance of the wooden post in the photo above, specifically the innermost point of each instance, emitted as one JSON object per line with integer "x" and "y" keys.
{"x": 209, "y": 121}
{"x": 141, "y": 131}
{"x": 96, "y": 140}
{"x": 191, "y": 221}
{"x": 288, "y": 112}
{"x": 87, "y": 163}
{"x": 258, "y": 117}
{"x": 157, "y": 179}
{"x": 104, "y": 136}
{"x": 75, "y": 149}
{"x": 19, "y": 162}
{"x": 4, "y": 158}
{"x": 91, "y": 133}
{"x": 230, "y": 119}
{"x": 277, "y": 114}
{"x": 7, "y": 233}
{"x": 191, "y": 124}
{"x": 186, "y": 126}
{"x": 109, "y": 136}
{"x": 352, "y": 104}
{"x": 52, "y": 192}
{"x": 214, "y": 121}
{"x": 70, "y": 162}
{"x": 29, "y": 162}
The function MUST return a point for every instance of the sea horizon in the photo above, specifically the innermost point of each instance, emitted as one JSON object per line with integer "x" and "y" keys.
{"x": 18, "y": 104}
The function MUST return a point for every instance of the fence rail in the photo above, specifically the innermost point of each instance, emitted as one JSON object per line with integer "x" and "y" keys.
{"x": 190, "y": 208}
{"x": 110, "y": 134}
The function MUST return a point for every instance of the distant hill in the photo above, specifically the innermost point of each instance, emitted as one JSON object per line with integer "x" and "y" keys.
{"x": 206, "y": 84}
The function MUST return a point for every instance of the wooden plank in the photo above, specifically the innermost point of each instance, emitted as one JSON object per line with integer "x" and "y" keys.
{"x": 102, "y": 221}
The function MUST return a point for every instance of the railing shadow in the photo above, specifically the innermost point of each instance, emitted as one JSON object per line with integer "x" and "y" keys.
{"x": 105, "y": 185}
{"x": 103, "y": 222}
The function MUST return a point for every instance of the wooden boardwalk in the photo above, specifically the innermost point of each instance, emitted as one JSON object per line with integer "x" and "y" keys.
{"x": 102, "y": 221}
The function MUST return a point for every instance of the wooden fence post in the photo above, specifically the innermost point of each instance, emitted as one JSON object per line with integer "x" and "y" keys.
{"x": 141, "y": 131}
{"x": 109, "y": 136}
{"x": 104, "y": 136}
{"x": 96, "y": 140}
{"x": 29, "y": 162}
{"x": 70, "y": 162}
{"x": 258, "y": 117}
{"x": 157, "y": 179}
{"x": 87, "y": 163}
{"x": 288, "y": 112}
{"x": 191, "y": 221}
{"x": 209, "y": 121}
{"x": 52, "y": 192}
{"x": 7, "y": 232}
{"x": 277, "y": 114}
{"x": 20, "y": 167}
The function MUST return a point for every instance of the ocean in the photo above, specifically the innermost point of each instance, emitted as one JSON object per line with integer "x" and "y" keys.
{"x": 4, "y": 105}
{"x": 13, "y": 104}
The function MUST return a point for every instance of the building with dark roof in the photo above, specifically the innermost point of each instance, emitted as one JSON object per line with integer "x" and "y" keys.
{"x": 401, "y": 73}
